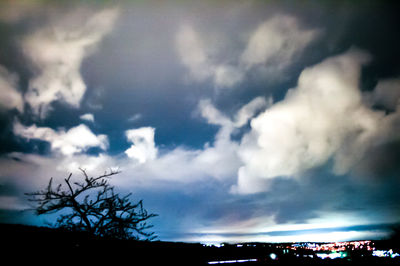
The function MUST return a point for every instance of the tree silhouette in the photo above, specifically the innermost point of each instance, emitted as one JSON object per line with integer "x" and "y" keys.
{"x": 94, "y": 207}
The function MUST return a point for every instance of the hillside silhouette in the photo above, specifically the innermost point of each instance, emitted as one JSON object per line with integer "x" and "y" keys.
{"x": 28, "y": 244}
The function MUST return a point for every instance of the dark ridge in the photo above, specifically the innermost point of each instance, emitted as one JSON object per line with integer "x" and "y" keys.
{"x": 31, "y": 244}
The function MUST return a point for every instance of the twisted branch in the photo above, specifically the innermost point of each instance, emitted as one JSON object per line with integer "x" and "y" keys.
{"x": 103, "y": 214}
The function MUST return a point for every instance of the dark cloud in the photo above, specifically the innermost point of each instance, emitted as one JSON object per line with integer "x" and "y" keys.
{"x": 381, "y": 163}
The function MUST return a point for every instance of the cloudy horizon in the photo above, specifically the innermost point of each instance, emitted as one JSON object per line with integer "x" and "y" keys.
{"x": 233, "y": 121}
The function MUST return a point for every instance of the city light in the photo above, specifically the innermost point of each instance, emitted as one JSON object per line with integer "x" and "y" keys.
{"x": 331, "y": 255}
{"x": 231, "y": 261}
{"x": 385, "y": 253}
{"x": 344, "y": 250}
{"x": 335, "y": 246}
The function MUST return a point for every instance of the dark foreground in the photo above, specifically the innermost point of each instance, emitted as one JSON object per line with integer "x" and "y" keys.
{"x": 40, "y": 245}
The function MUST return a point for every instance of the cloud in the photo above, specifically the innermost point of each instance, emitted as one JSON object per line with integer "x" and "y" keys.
{"x": 143, "y": 148}
{"x": 386, "y": 94}
{"x": 76, "y": 140}
{"x": 12, "y": 203}
{"x": 145, "y": 165}
{"x": 95, "y": 164}
{"x": 215, "y": 117}
{"x": 182, "y": 166}
{"x": 57, "y": 51}
{"x": 276, "y": 42}
{"x": 212, "y": 114}
{"x": 249, "y": 110}
{"x": 207, "y": 172}
{"x": 11, "y": 12}
{"x": 323, "y": 118}
{"x": 191, "y": 49}
{"x": 200, "y": 62}
{"x": 189, "y": 185}
{"x": 272, "y": 47}
{"x": 224, "y": 152}
{"x": 135, "y": 117}
{"x": 87, "y": 117}
{"x": 227, "y": 75}
{"x": 10, "y": 97}
{"x": 215, "y": 161}
{"x": 29, "y": 172}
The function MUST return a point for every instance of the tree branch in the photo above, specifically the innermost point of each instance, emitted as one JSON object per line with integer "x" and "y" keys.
{"x": 104, "y": 213}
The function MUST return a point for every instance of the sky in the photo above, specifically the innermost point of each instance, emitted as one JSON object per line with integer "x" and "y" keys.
{"x": 233, "y": 120}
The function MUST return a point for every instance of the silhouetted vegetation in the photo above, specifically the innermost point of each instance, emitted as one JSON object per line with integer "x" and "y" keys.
{"x": 93, "y": 207}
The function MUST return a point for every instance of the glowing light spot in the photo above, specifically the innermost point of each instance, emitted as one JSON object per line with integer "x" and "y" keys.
{"x": 231, "y": 261}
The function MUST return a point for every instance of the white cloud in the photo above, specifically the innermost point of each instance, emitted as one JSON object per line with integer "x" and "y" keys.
{"x": 174, "y": 166}
{"x": 76, "y": 140}
{"x": 135, "y": 117}
{"x": 273, "y": 46}
{"x": 201, "y": 64}
{"x": 322, "y": 118}
{"x": 215, "y": 117}
{"x": 193, "y": 55}
{"x": 33, "y": 171}
{"x": 94, "y": 164}
{"x": 57, "y": 51}
{"x": 275, "y": 42}
{"x": 218, "y": 160}
{"x": 212, "y": 114}
{"x": 10, "y": 97}
{"x": 222, "y": 159}
{"x": 87, "y": 117}
{"x": 143, "y": 148}
{"x": 182, "y": 165}
{"x": 227, "y": 76}
{"x": 250, "y": 109}
{"x": 144, "y": 164}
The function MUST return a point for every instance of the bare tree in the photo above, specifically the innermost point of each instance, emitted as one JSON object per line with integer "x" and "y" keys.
{"x": 94, "y": 207}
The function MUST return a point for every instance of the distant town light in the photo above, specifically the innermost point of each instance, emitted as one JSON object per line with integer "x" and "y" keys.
{"x": 385, "y": 253}
{"x": 334, "y": 255}
{"x": 231, "y": 261}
